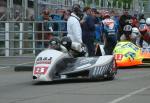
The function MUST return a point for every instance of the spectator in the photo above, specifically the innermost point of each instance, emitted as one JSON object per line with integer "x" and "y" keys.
{"x": 141, "y": 16}
{"x": 73, "y": 25}
{"x": 44, "y": 17}
{"x": 98, "y": 27}
{"x": 88, "y": 29}
{"x": 39, "y": 34}
{"x": 75, "y": 32}
{"x": 85, "y": 13}
{"x": 47, "y": 26}
{"x": 123, "y": 21}
{"x": 134, "y": 21}
{"x": 65, "y": 17}
{"x": 115, "y": 17}
{"x": 56, "y": 25}
{"x": 109, "y": 34}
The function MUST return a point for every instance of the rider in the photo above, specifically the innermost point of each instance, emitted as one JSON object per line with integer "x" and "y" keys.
{"x": 55, "y": 44}
{"x": 142, "y": 30}
{"x": 145, "y": 32}
{"x": 74, "y": 48}
{"x": 109, "y": 34}
{"x": 122, "y": 21}
{"x": 131, "y": 34}
{"x": 127, "y": 31}
{"x": 67, "y": 46}
{"x": 135, "y": 35}
{"x": 66, "y": 42}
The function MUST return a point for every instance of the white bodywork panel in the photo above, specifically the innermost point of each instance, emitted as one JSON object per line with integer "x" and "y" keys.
{"x": 52, "y": 57}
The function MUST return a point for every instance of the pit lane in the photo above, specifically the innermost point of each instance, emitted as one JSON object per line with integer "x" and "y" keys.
{"x": 130, "y": 86}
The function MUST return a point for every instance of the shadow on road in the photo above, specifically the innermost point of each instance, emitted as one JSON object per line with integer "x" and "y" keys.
{"x": 68, "y": 81}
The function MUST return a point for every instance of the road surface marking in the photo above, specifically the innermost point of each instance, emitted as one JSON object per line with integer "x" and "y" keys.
{"x": 129, "y": 95}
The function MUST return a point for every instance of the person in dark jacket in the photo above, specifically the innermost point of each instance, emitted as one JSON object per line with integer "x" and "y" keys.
{"x": 123, "y": 21}
{"x": 88, "y": 31}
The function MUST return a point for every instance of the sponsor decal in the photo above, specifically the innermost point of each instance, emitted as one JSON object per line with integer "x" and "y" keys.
{"x": 118, "y": 56}
{"x": 44, "y": 60}
{"x": 40, "y": 70}
{"x": 130, "y": 45}
{"x": 130, "y": 55}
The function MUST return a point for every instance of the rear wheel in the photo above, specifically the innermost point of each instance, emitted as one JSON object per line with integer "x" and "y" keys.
{"x": 113, "y": 72}
{"x": 111, "y": 77}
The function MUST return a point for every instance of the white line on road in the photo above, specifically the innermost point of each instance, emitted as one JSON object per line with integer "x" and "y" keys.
{"x": 129, "y": 95}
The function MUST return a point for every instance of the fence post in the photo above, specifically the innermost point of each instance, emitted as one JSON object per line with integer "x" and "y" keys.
{"x": 33, "y": 35}
{"x": 21, "y": 39}
{"x": 7, "y": 39}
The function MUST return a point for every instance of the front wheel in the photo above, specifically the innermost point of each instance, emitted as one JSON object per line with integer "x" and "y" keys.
{"x": 112, "y": 77}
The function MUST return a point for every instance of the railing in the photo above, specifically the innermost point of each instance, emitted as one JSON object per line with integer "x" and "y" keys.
{"x": 26, "y": 38}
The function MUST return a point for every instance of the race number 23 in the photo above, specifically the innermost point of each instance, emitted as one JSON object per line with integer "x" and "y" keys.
{"x": 40, "y": 70}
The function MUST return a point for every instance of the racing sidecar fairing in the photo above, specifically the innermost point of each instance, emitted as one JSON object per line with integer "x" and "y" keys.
{"x": 53, "y": 65}
{"x": 128, "y": 54}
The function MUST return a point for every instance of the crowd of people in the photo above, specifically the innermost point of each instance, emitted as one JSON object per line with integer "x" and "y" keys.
{"x": 89, "y": 26}
{"x": 50, "y": 22}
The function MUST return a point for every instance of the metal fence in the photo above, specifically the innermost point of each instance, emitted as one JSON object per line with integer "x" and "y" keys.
{"x": 26, "y": 38}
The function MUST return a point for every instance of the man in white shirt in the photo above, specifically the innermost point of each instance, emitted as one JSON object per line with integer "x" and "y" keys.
{"x": 73, "y": 25}
{"x": 74, "y": 30}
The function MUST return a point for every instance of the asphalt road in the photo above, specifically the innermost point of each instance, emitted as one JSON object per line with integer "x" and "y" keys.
{"x": 130, "y": 86}
{"x": 7, "y": 63}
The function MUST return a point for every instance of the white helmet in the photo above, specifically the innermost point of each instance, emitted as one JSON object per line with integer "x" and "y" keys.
{"x": 135, "y": 32}
{"x": 148, "y": 21}
{"x": 142, "y": 21}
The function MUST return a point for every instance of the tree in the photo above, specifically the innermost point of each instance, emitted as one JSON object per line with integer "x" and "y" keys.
{"x": 120, "y": 2}
{"x": 125, "y": 3}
